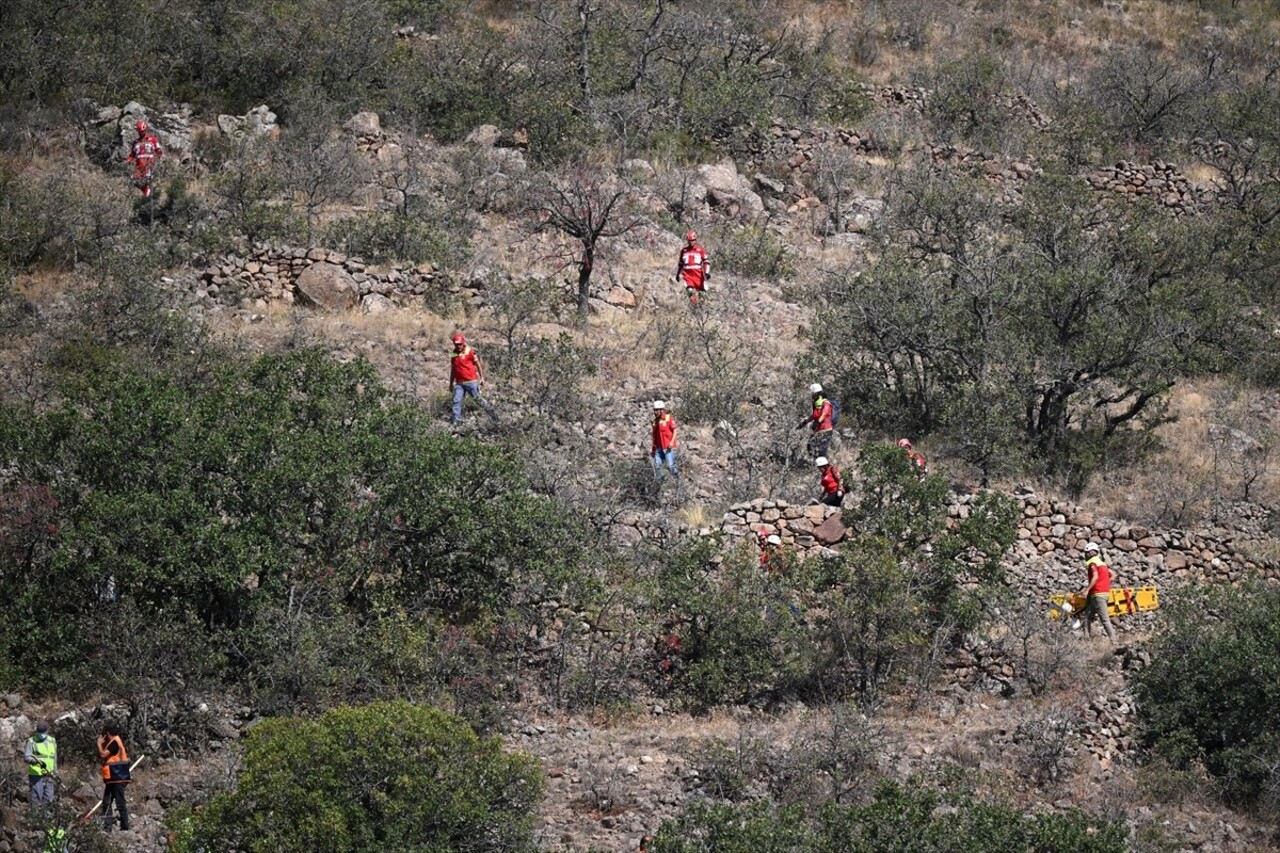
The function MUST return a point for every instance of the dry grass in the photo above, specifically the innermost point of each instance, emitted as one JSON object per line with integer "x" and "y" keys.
{"x": 1222, "y": 447}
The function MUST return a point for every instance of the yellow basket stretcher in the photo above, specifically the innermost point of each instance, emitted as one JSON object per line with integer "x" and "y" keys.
{"x": 1122, "y": 602}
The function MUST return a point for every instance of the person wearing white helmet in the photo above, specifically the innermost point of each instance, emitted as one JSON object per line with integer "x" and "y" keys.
{"x": 832, "y": 482}
{"x": 663, "y": 446}
{"x": 821, "y": 419}
{"x": 1096, "y": 592}
{"x": 694, "y": 268}
{"x": 771, "y": 559}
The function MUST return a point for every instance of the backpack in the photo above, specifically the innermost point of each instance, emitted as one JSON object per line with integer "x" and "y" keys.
{"x": 835, "y": 413}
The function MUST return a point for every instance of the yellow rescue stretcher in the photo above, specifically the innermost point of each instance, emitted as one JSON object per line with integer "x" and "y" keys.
{"x": 1121, "y": 602}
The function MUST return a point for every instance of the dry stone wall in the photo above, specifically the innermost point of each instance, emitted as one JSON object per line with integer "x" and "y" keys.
{"x": 1048, "y": 555}
{"x": 272, "y": 274}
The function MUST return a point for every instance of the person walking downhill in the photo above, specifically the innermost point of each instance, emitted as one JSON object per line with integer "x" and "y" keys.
{"x": 832, "y": 483}
{"x": 41, "y": 755}
{"x": 115, "y": 777}
{"x": 466, "y": 377}
{"x": 917, "y": 460}
{"x": 144, "y": 153}
{"x": 822, "y": 421}
{"x": 663, "y": 445}
{"x": 694, "y": 268}
{"x": 1097, "y": 592}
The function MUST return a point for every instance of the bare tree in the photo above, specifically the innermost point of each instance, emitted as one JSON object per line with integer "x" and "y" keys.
{"x": 587, "y": 205}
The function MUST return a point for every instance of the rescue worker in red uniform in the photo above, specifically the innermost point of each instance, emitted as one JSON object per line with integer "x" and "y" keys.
{"x": 918, "y": 463}
{"x": 115, "y": 777}
{"x": 694, "y": 268}
{"x": 663, "y": 446}
{"x": 822, "y": 419}
{"x": 144, "y": 153}
{"x": 832, "y": 483}
{"x": 1097, "y": 592}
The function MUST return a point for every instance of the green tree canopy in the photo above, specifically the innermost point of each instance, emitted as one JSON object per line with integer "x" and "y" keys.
{"x": 250, "y": 485}
{"x": 1039, "y": 327}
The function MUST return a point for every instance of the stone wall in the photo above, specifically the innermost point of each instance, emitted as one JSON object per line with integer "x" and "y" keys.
{"x": 1048, "y": 555}
{"x": 272, "y": 274}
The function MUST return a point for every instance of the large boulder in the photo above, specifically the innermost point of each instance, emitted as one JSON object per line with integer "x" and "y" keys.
{"x": 259, "y": 121}
{"x": 830, "y": 531}
{"x": 365, "y": 125}
{"x": 727, "y": 188}
{"x": 172, "y": 126}
{"x": 327, "y": 286}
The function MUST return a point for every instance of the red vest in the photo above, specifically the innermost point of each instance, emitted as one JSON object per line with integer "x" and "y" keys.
{"x": 822, "y": 415}
{"x": 465, "y": 365}
{"x": 694, "y": 266}
{"x": 664, "y": 432}
{"x": 831, "y": 484}
{"x": 1102, "y": 583}
{"x": 146, "y": 149}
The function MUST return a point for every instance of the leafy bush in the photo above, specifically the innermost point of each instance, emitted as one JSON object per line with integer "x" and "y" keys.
{"x": 382, "y": 237}
{"x": 953, "y": 325}
{"x": 854, "y": 625}
{"x": 742, "y": 633}
{"x": 1210, "y": 694}
{"x": 389, "y": 776}
{"x": 753, "y": 252}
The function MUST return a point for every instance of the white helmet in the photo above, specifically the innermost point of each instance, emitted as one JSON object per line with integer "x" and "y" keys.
{"x": 1092, "y": 547}
{"x": 659, "y": 405}
{"x": 815, "y": 388}
{"x": 821, "y": 461}
{"x": 775, "y": 539}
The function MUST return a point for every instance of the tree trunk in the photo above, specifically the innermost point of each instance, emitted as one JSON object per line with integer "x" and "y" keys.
{"x": 584, "y": 280}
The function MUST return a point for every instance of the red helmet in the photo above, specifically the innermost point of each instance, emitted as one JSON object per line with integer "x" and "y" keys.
{"x": 141, "y": 126}
{"x": 459, "y": 338}
{"x": 691, "y": 237}
{"x": 905, "y": 443}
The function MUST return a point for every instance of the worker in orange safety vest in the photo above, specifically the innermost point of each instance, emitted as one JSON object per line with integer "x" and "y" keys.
{"x": 115, "y": 777}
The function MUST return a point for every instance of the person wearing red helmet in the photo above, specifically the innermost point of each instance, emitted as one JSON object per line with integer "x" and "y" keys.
{"x": 694, "y": 267}
{"x": 466, "y": 376}
{"x": 144, "y": 153}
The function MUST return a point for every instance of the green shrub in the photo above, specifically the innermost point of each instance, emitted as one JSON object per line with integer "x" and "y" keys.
{"x": 381, "y": 237}
{"x": 742, "y": 633}
{"x": 1210, "y": 695}
{"x": 752, "y": 252}
{"x": 388, "y": 776}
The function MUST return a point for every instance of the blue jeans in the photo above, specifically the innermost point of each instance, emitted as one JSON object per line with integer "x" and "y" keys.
{"x": 40, "y": 790}
{"x": 460, "y": 390}
{"x": 668, "y": 458}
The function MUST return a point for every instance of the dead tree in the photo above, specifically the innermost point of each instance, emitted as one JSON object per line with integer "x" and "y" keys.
{"x": 587, "y": 206}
